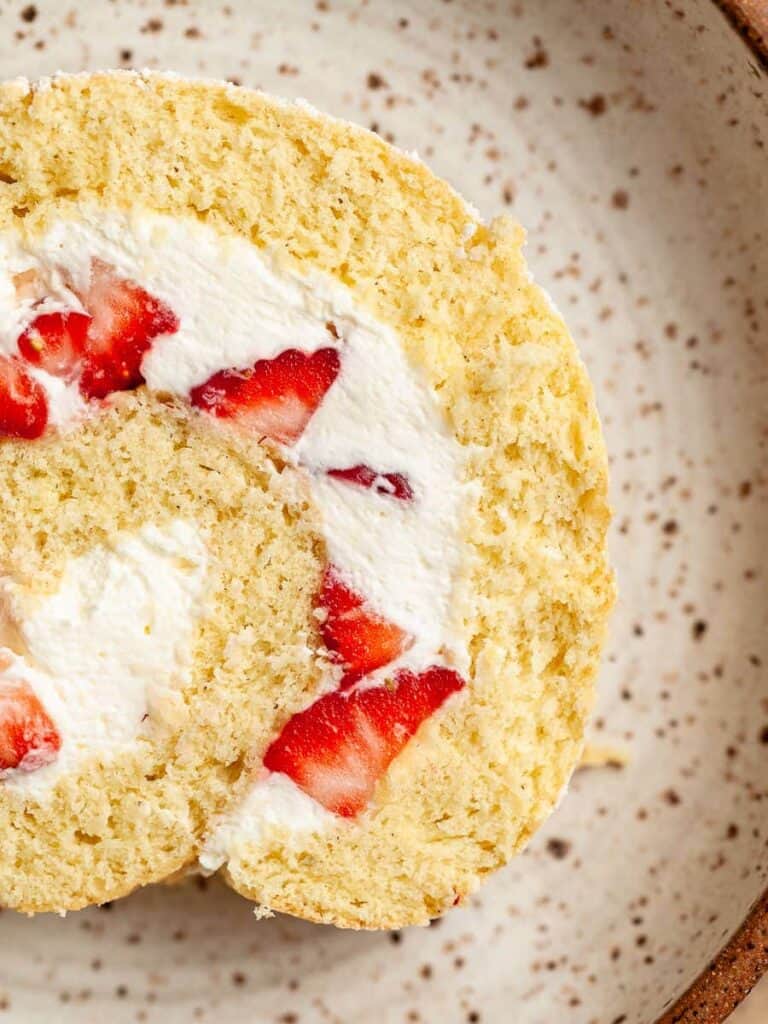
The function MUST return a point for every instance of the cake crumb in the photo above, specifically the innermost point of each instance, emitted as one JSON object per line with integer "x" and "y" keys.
{"x": 604, "y": 755}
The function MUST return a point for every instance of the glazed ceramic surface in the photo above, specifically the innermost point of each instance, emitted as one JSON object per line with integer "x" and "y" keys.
{"x": 632, "y": 141}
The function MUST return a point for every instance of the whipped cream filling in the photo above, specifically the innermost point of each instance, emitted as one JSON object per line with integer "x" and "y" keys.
{"x": 237, "y": 304}
{"x": 111, "y": 645}
{"x": 272, "y": 801}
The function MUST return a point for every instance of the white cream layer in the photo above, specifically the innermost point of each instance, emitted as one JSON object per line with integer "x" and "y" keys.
{"x": 238, "y": 304}
{"x": 272, "y": 800}
{"x": 111, "y": 644}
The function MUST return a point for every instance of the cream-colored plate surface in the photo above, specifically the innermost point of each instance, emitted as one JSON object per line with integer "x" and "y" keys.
{"x": 631, "y": 138}
{"x": 755, "y": 1009}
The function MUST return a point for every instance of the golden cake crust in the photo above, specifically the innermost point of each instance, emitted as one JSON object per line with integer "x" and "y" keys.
{"x": 536, "y": 589}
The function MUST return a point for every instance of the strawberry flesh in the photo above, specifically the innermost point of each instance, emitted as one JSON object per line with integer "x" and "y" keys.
{"x": 360, "y": 639}
{"x": 23, "y": 405}
{"x": 275, "y": 397}
{"x": 125, "y": 320}
{"x": 395, "y": 485}
{"x": 28, "y": 738}
{"x": 340, "y": 747}
{"x": 56, "y": 342}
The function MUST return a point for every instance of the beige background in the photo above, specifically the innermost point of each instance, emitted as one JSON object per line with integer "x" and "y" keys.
{"x": 755, "y": 1010}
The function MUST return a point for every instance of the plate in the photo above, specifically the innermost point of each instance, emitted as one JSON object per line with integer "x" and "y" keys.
{"x": 630, "y": 139}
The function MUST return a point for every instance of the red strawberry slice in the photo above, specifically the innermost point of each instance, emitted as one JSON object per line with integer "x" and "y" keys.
{"x": 395, "y": 485}
{"x": 339, "y": 748}
{"x": 125, "y": 320}
{"x": 56, "y": 342}
{"x": 360, "y": 639}
{"x": 23, "y": 406}
{"x": 276, "y": 397}
{"x": 28, "y": 738}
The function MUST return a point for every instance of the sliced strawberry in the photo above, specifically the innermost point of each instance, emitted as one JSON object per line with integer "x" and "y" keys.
{"x": 339, "y": 748}
{"x": 56, "y": 342}
{"x": 23, "y": 406}
{"x": 28, "y": 737}
{"x": 361, "y": 639}
{"x": 276, "y": 397}
{"x": 396, "y": 485}
{"x": 124, "y": 321}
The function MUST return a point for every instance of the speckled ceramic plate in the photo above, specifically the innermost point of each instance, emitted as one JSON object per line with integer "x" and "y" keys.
{"x": 630, "y": 137}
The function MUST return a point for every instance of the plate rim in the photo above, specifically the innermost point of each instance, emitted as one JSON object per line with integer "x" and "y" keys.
{"x": 750, "y": 19}
{"x": 730, "y": 976}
